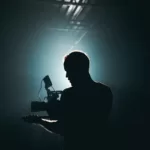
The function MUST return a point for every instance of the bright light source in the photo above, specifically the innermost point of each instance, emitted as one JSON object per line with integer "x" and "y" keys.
{"x": 77, "y": 12}
{"x": 71, "y": 8}
{"x": 77, "y": 1}
{"x": 78, "y": 23}
{"x": 50, "y": 121}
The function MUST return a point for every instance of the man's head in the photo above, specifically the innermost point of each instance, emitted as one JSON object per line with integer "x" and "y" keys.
{"x": 76, "y": 65}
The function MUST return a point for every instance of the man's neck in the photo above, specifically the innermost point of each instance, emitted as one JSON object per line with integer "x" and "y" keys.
{"x": 86, "y": 79}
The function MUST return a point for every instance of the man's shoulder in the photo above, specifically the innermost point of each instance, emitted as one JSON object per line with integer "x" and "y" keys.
{"x": 66, "y": 93}
{"x": 98, "y": 85}
{"x": 67, "y": 90}
{"x": 102, "y": 86}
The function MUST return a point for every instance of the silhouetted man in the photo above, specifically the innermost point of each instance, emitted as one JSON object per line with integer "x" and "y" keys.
{"x": 87, "y": 104}
{"x": 84, "y": 108}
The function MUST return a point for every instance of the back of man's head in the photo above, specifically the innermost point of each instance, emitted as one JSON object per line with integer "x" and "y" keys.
{"x": 77, "y": 61}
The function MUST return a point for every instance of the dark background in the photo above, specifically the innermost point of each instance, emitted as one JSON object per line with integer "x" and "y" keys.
{"x": 120, "y": 54}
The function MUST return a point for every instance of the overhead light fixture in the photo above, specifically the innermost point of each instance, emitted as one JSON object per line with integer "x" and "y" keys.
{"x": 71, "y": 8}
{"x": 77, "y": 12}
